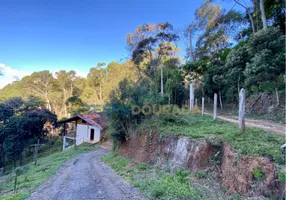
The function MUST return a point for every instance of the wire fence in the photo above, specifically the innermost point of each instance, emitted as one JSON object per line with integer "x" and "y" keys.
{"x": 46, "y": 147}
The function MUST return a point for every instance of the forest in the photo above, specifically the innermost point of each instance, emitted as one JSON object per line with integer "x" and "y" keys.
{"x": 225, "y": 51}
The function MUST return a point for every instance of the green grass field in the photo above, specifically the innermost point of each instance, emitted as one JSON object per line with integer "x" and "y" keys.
{"x": 34, "y": 176}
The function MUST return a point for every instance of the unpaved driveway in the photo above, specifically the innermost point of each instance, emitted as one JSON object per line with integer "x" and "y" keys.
{"x": 86, "y": 177}
{"x": 263, "y": 124}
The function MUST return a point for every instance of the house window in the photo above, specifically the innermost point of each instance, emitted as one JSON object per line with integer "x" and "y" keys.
{"x": 84, "y": 122}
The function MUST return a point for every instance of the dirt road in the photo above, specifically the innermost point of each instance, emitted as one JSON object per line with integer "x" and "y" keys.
{"x": 86, "y": 177}
{"x": 263, "y": 124}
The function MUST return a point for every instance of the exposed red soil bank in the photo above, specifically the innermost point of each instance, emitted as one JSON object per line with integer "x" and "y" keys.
{"x": 195, "y": 155}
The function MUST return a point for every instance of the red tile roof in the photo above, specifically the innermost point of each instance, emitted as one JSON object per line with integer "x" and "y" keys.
{"x": 94, "y": 119}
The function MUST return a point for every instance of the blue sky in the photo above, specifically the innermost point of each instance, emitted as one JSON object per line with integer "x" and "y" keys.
{"x": 77, "y": 34}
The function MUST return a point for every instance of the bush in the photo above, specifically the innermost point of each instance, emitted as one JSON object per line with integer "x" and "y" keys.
{"x": 258, "y": 174}
{"x": 282, "y": 177}
{"x": 119, "y": 109}
{"x": 201, "y": 174}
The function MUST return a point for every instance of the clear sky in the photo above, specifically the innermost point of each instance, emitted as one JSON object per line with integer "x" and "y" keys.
{"x": 77, "y": 34}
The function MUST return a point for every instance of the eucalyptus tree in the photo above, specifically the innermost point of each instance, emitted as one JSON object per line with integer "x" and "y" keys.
{"x": 96, "y": 78}
{"x": 42, "y": 84}
{"x": 215, "y": 28}
{"x": 65, "y": 81}
{"x": 148, "y": 46}
{"x": 262, "y": 11}
{"x": 248, "y": 11}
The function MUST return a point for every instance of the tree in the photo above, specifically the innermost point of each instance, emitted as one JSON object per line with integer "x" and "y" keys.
{"x": 41, "y": 84}
{"x": 235, "y": 66}
{"x": 15, "y": 104}
{"x": 75, "y": 105}
{"x": 275, "y": 13}
{"x": 248, "y": 13}
{"x": 5, "y": 113}
{"x": 65, "y": 80}
{"x": 266, "y": 49}
{"x": 189, "y": 33}
{"x": 217, "y": 27}
{"x": 96, "y": 78}
{"x": 263, "y": 16}
{"x": 144, "y": 41}
{"x": 115, "y": 72}
{"x": 24, "y": 125}
{"x": 119, "y": 109}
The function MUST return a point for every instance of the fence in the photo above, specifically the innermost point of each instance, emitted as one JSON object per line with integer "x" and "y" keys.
{"x": 46, "y": 147}
{"x": 70, "y": 142}
{"x": 262, "y": 107}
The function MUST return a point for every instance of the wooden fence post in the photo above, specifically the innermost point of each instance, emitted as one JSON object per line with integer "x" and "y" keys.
{"x": 203, "y": 105}
{"x": 64, "y": 141}
{"x": 241, "y": 111}
{"x": 215, "y": 106}
{"x": 191, "y": 96}
{"x": 36, "y": 150}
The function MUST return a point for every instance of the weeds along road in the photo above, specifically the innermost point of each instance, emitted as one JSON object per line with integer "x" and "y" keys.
{"x": 86, "y": 177}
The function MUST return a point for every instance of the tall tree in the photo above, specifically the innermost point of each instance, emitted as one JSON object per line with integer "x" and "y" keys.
{"x": 41, "y": 83}
{"x": 144, "y": 41}
{"x": 96, "y": 78}
{"x": 263, "y": 16}
{"x": 247, "y": 9}
{"x": 65, "y": 80}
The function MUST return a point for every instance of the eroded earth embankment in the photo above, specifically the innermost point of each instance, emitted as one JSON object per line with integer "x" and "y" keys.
{"x": 238, "y": 173}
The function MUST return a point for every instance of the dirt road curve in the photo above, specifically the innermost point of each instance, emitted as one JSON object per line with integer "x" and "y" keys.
{"x": 86, "y": 177}
{"x": 263, "y": 124}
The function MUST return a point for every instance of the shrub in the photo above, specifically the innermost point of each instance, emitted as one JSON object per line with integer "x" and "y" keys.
{"x": 258, "y": 174}
{"x": 119, "y": 109}
{"x": 200, "y": 174}
{"x": 182, "y": 176}
{"x": 282, "y": 177}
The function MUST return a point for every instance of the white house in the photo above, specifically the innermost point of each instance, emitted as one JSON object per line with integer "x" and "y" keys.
{"x": 84, "y": 128}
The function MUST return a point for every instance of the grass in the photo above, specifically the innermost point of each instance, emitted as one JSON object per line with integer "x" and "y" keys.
{"x": 282, "y": 177}
{"x": 200, "y": 174}
{"x": 34, "y": 176}
{"x": 254, "y": 142}
{"x": 49, "y": 148}
{"x": 153, "y": 182}
{"x": 258, "y": 174}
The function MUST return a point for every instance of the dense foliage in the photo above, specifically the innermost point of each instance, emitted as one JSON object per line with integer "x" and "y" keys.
{"x": 227, "y": 56}
{"x": 56, "y": 89}
{"x": 22, "y": 123}
{"x": 122, "y": 99}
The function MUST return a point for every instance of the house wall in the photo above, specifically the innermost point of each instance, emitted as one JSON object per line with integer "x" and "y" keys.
{"x": 83, "y": 134}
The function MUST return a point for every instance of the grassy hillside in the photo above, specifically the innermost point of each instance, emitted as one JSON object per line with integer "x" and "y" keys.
{"x": 34, "y": 176}
{"x": 254, "y": 142}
